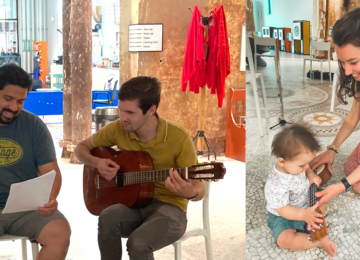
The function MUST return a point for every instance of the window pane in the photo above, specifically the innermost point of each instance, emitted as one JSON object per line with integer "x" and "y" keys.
{"x": 8, "y": 38}
{"x": 8, "y": 9}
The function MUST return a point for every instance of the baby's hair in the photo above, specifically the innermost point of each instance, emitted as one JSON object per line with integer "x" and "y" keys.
{"x": 292, "y": 140}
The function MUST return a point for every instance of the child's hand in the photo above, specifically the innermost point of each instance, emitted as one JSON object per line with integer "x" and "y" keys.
{"x": 314, "y": 179}
{"x": 311, "y": 217}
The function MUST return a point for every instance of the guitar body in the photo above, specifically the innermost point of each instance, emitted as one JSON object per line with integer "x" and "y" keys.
{"x": 137, "y": 195}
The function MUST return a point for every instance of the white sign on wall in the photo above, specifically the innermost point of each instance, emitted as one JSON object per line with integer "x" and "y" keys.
{"x": 145, "y": 37}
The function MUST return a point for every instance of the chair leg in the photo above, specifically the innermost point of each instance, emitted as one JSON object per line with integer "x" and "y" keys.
{"x": 304, "y": 64}
{"x": 35, "y": 250}
{"x": 23, "y": 249}
{"x": 264, "y": 96}
{"x": 177, "y": 248}
{"x": 329, "y": 71}
{"x": 255, "y": 59}
{"x": 257, "y": 106}
{"x": 208, "y": 248}
{"x": 321, "y": 72}
{"x": 311, "y": 69}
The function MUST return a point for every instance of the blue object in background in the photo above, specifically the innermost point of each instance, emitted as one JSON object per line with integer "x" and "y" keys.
{"x": 36, "y": 74}
{"x": 51, "y": 102}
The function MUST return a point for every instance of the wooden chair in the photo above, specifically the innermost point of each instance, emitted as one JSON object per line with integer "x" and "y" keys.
{"x": 235, "y": 134}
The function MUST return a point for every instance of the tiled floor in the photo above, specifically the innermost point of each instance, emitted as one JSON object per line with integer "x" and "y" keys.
{"x": 342, "y": 214}
{"x": 227, "y": 214}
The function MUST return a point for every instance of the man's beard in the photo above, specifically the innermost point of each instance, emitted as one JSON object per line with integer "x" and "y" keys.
{"x": 9, "y": 120}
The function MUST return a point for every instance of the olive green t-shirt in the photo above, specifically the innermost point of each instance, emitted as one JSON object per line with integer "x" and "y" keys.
{"x": 172, "y": 147}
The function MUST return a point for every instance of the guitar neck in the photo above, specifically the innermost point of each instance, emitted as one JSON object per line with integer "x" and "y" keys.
{"x": 312, "y": 198}
{"x": 131, "y": 178}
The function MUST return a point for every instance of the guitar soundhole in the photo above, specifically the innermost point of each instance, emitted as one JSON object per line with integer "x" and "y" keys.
{"x": 120, "y": 179}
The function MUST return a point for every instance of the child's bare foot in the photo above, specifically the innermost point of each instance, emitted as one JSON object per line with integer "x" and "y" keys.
{"x": 329, "y": 246}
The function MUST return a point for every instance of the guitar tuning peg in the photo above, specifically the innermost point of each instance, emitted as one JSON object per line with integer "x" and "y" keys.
{"x": 216, "y": 180}
{"x": 313, "y": 230}
{"x": 309, "y": 238}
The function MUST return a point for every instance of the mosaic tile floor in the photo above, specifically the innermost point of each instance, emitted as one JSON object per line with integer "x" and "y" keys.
{"x": 300, "y": 98}
{"x": 343, "y": 212}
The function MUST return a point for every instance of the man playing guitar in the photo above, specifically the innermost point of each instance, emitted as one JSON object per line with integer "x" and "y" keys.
{"x": 139, "y": 128}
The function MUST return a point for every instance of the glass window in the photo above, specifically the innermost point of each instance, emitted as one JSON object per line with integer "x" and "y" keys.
{"x": 8, "y": 9}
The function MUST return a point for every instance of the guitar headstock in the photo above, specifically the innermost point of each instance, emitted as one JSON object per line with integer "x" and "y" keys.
{"x": 208, "y": 171}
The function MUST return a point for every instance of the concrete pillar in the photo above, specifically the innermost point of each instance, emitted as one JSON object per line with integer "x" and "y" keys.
{"x": 129, "y": 14}
{"x": 250, "y": 23}
{"x": 67, "y": 105}
{"x": 81, "y": 73}
{"x": 315, "y": 21}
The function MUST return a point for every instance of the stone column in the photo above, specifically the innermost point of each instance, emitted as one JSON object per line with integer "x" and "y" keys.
{"x": 250, "y": 23}
{"x": 81, "y": 73}
{"x": 67, "y": 105}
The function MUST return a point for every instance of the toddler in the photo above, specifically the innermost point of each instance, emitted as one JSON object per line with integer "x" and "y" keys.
{"x": 286, "y": 190}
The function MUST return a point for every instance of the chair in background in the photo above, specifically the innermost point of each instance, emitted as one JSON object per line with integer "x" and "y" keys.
{"x": 253, "y": 77}
{"x": 265, "y": 42}
{"x": 320, "y": 46}
{"x": 111, "y": 96}
{"x": 34, "y": 246}
{"x": 59, "y": 84}
{"x": 235, "y": 133}
{"x": 205, "y": 231}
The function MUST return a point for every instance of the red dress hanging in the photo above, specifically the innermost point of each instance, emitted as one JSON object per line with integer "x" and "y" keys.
{"x": 218, "y": 65}
{"x": 194, "y": 67}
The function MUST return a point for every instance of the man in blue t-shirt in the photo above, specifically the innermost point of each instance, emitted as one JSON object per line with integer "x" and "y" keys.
{"x": 27, "y": 151}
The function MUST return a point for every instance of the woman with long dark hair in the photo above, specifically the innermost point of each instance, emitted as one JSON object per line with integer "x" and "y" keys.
{"x": 346, "y": 37}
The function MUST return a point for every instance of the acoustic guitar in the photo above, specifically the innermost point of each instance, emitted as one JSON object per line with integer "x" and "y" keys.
{"x": 317, "y": 234}
{"x": 133, "y": 185}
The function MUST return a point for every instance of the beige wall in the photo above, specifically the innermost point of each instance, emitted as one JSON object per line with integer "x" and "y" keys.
{"x": 167, "y": 65}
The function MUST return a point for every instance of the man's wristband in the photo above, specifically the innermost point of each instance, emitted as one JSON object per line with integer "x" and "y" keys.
{"x": 193, "y": 197}
{"x": 346, "y": 184}
{"x": 334, "y": 148}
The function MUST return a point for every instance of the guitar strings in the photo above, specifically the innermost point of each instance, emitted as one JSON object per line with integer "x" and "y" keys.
{"x": 131, "y": 178}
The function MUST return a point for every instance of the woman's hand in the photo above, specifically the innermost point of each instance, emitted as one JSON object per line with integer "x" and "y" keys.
{"x": 329, "y": 193}
{"x": 326, "y": 157}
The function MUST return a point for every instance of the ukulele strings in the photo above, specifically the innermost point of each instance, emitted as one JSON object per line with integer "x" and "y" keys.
{"x": 130, "y": 178}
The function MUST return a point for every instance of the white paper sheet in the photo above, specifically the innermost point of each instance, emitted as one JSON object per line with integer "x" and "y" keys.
{"x": 31, "y": 194}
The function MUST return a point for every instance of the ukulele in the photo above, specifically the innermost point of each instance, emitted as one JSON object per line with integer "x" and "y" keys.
{"x": 323, "y": 172}
{"x": 133, "y": 185}
{"x": 316, "y": 234}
